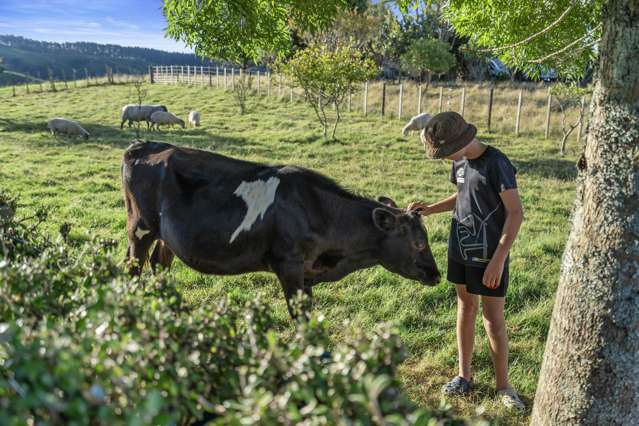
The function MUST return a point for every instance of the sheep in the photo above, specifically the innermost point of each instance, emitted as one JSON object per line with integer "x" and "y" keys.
{"x": 65, "y": 126}
{"x": 165, "y": 118}
{"x": 194, "y": 118}
{"x": 416, "y": 123}
{"x": 134, "y": 112}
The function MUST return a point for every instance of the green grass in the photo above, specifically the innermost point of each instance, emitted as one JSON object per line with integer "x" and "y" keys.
{"x": 79, "y": 181}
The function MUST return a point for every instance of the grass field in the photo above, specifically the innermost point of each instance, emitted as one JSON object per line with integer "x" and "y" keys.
{"x": 79, "y": 182}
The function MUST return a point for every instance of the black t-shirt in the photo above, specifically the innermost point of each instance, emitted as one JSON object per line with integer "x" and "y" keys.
{"x": 479, "y": 215}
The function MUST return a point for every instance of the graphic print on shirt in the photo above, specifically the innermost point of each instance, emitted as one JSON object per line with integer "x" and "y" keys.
{"x": 460, "y": 175}
{"x": 472, "y": 237}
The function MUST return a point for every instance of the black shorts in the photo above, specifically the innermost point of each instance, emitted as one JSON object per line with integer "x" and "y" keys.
{"x": 472, "y": 276}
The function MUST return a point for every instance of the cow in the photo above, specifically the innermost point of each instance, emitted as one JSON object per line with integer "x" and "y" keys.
{"x": 226, "y": 216}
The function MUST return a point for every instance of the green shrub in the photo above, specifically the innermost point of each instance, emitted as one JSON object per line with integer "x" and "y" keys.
{"x": 82, "y": 343}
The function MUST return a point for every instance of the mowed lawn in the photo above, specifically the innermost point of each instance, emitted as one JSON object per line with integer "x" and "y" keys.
{"x": 79, "y": 182}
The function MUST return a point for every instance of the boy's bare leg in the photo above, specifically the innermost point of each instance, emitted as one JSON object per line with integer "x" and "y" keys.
{"x": 495, "y": 325}
{"x": 467, "y": 305}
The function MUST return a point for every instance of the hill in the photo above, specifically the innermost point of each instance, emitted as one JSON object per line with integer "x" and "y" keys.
{"x": 34, "y": 58}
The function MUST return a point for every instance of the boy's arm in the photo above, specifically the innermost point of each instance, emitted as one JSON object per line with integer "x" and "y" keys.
{"x": 514, "y": 218}
{"x": 424, "y": 209}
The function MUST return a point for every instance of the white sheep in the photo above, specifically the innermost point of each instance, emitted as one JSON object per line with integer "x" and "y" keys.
{"x": 159, "y": 118}
{"x": 194, "y": 118}
{"x": 67, "y": 127}
{"x": 134, "y": 112}
{"x": 417, "y": 123}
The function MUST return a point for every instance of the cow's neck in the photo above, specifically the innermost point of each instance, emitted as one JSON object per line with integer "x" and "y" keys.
{"x": 356, "y": 231}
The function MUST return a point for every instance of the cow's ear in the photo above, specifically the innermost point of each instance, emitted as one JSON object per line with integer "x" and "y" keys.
{"x": 387, "y": 201}
{"x": 384, "y": 219}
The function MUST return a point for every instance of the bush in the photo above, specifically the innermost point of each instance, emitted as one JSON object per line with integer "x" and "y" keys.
{"x": 327, "y": 77}
{"x": 82, "y": 343}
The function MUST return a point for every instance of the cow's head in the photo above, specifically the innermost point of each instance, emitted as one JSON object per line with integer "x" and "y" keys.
{"x": 404, "y": 248}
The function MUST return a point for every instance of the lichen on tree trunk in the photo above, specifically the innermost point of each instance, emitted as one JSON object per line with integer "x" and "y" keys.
{"x": 590, "y": 371}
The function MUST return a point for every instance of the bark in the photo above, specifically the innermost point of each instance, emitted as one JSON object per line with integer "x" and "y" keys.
{"x": 590, "y": 371}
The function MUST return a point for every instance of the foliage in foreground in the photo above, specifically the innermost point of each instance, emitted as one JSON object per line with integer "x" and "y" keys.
{"x": 82, "y": 343}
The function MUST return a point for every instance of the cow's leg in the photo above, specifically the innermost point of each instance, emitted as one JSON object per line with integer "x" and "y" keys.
{"x": 140, "y": 241}
{"x": 140, "y": 236}
{"x": 163, "y": 255}
{"x": 291, "y": 275}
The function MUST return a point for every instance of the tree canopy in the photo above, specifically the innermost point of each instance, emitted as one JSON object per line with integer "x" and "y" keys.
{"x": 430, "y": 55}
{"x": 529, "y": 35}
{"x": 239, "y": 29}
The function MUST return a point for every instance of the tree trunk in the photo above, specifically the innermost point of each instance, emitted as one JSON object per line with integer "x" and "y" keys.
{"x": 590, "y": 369}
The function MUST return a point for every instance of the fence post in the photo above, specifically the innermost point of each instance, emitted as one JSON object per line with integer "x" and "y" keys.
{"x": 462, "y": 102}
{"x": 290, "y": 89}
{"x": 350, "y": 98}
{"x": 225, "y": 80}
{"x": 279, "y": 87}
{"x": 441, "y": 98}
{"x": 268, "y": 89}
{"x": 258, "y": 83}
{"x": 547, "y": 133}
{"x": 581, "y": 119}
{"x": 419, "y": 98}
{"x": 14, "y": 91}
{"x": 27, "y": 84}
{"x": 217, "y": 77}
{"x": 521, "y": 91}
{"x": 383, "y": 97}
{"x": 365, "y": 98}
{"x": 401, "y": 101}
{"x": 151, "y": 79}
{"x": 210, "y": 77}
{"x": 490, "y": 107}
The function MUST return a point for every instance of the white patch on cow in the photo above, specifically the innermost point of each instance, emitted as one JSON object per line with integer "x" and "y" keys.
{"x": 140, "y": 233}
{"x": 258, "y": 196}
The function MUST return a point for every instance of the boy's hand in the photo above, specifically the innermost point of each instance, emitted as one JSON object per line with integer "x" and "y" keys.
{"x": 493, "y": 272}
{"x": 419, "y": 207}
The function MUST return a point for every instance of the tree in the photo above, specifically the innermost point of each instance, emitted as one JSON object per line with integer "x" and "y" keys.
{"x": 139, "y": 93}
{"x": 234, "y": 29}
{"x": 430, "y": 56}
{"x": 568, "y": 96}
{"x": 327, "y": 76}
{"x": 591, "y": 362}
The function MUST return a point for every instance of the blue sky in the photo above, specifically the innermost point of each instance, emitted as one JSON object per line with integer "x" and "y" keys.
{"x": 124, "y": 22}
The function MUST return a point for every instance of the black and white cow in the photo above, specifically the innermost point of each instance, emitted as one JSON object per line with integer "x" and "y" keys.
{"x": 225, "y": 216}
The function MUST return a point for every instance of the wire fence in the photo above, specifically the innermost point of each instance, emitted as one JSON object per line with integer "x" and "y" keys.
{"x": 516, "y": 108}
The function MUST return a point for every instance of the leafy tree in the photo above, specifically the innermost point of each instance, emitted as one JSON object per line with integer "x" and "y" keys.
{"x": 567, "y": 96}
{"x": 327, "y": 76}
{"x": 235, "y": 29}
{"x": 429, "y": 56}
{"x": 589, "y": 371}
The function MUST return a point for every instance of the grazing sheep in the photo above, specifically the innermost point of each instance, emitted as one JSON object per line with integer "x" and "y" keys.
{"x": 67, "y": 127}
{"x": 159, "y": 118}
{"x": 416, "y": 123}
{"x": 194, "y": 118}
{"x": 134, "y": 112}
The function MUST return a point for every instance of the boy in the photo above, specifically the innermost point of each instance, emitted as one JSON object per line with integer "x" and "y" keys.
{"x": 487, "y": 214}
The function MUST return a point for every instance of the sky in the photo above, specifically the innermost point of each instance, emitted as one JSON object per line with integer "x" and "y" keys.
{"x": 123, "y": 22}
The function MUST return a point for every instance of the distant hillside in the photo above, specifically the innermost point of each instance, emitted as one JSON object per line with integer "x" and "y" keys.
{"x": 34, "y": 58}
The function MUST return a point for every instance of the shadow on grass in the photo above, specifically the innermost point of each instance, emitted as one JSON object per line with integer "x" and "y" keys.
{"x": 548, "y": 168}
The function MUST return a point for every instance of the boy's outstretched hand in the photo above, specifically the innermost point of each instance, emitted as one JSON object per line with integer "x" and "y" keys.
{"x": 419, "y": 207}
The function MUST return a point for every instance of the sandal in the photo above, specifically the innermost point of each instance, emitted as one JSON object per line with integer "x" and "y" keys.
{"x": 458, "y": 386}
{"x": 510, "y": 399}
